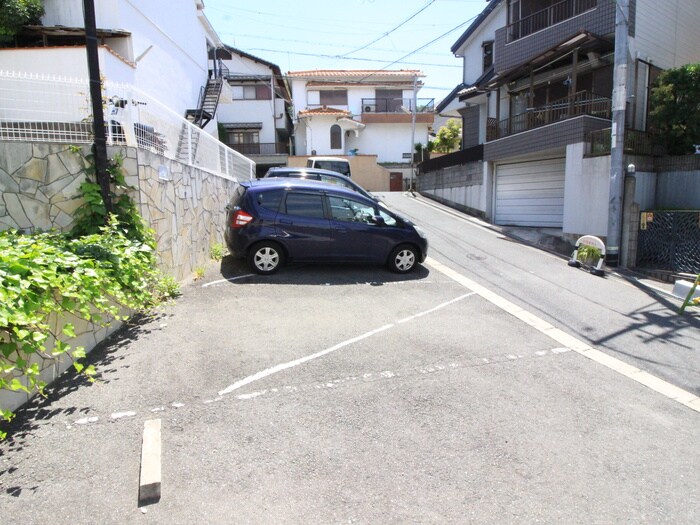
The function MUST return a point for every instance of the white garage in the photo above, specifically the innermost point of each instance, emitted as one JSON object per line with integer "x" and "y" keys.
{"x": 530, "y": 193}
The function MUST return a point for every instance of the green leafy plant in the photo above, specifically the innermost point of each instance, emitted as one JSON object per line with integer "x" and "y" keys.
{"x": 448, "y": 137}
{"x": 14, "y": 14}
{"x": 217, "y": 251}
{"x": 167, "y": 288}
{"x": 198, "y": 273}
{"x": 47, "y": 276}
{"x": 674, "y": 101}
{"x": 92, "y": 215}
{"x": 104, "y": 266}
{"x": 588, "y": 254}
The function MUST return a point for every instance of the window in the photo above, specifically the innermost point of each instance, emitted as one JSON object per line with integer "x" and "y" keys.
{"x": 488, "y": 54}
{"x": 304, "y": 205}
{"x": 389, "y": 100}
{"x": 270, "y": 199}
{"x": 243, "y": 137}
{"x": 336, "y": 137}
{"x": 251, "y": 92}
{"x": 244, "y": 141}
{"x": 335, "y": 97}
{"x": 349, "y": 210}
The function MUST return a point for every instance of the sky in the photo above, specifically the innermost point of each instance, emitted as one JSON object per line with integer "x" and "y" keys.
{"x": 351, "y": 34}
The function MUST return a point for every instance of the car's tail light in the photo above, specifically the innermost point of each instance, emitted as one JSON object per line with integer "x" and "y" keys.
{"x": 240, "y": 219}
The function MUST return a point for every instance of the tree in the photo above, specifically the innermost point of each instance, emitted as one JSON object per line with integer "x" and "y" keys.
{"x": 448, "y": 136}
{"x": 675, "y": 113}
{"x": 14, "y": 14}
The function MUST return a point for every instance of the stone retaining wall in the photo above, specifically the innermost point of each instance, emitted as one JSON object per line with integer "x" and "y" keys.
{"x": 39, "y": 190}
{"x": 39, "y": 187}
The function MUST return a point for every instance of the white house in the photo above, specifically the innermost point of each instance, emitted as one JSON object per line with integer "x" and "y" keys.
{"x": 256, "y": 119}
{"x": 346, "y": 112}
{"x": 162, "y": 47}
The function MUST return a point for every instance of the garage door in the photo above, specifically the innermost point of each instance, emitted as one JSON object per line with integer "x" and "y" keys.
{"x": 531, "y": 193}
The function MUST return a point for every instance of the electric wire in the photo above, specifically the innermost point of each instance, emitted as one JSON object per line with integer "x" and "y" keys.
{"x": 426, "y": 6}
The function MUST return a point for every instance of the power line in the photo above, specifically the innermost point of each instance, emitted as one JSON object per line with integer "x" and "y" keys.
{"x": 426, "y": 45}
{"x": 317, "y": 55}
{"x": 316, "y": 43}
{"x": 426, "y": 6}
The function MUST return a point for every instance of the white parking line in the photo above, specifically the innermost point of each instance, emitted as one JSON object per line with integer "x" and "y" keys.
{"x": 658, "y": 385}
{"x": 229, "y": 280}
{"x": 291, "y": 364}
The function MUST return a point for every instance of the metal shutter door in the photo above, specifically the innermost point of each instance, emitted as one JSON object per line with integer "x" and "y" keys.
{"x": 531, "y": 193}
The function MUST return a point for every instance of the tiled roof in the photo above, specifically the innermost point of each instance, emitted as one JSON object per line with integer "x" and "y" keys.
{"x": 355, "y": 74}
{"x": 325, "y": 111}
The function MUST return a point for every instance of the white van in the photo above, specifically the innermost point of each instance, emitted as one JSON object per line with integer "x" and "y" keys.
{"x": 330, "y": 163}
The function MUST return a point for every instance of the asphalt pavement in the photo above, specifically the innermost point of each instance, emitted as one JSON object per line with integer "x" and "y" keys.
{"x": 353, "y": 395}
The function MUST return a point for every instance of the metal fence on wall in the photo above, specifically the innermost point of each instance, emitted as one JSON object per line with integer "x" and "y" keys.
{"x": 42, "y": 108}
{"x": 670, "y": 240}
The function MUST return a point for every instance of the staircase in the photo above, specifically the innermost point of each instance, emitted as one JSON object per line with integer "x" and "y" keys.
{"x": 207, "y": 104}
{"x": 206, "y": 109}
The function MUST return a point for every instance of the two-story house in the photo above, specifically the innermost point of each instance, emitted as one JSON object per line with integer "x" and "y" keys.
{"x": 538, "y": 85}
{"x": 256, "y": 121}
{"x": 346, "y": 112}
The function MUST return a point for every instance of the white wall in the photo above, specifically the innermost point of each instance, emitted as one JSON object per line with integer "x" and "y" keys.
{"x": 471, "y": 50}
{"x": 388, "y": 141}
{"x": 263, "y": 111}
{"x": 167, "y": 37}
{"x": 667, "y": 32}
{"x": 586, "y": 192}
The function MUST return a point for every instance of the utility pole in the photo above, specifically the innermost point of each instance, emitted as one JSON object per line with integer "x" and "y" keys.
{"x": 413, "y": 130}
{"x": 98, "y": 119}
{"x": 617, "y": 138}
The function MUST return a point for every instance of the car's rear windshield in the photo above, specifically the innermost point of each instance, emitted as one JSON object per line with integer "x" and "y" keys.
{"x": 333, "y": 165}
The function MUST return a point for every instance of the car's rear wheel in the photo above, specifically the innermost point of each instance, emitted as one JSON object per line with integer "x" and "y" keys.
{"x": 403, "y": 259}
{"x": 265, "y": 257}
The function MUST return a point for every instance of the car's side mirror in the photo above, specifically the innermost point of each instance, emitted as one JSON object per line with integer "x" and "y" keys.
{"x": 378, "y": 220}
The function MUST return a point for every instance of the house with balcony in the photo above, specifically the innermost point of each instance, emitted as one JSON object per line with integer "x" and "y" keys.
{"x": 537, "y": 91}
{"x": 256, "y": 120}
{"x": 365, "y": 112}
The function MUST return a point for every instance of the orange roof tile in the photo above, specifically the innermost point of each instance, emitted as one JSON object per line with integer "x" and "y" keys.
{"x": 325, "y": 111}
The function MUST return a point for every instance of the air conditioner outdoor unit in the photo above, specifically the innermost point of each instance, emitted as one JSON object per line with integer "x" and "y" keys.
{"x": 368, "y": 109}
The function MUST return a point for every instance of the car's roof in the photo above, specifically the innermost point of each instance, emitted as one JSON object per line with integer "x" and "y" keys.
{"x": 294, "y": 183}
{"x": 315, "y": 171}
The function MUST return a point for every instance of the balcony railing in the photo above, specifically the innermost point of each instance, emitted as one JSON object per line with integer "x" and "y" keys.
{"x": 397, "y": 105}
{"x": 548, "y": 17}
{"x": 636, "y": 143}
{"x": 261, "y": 148}
{"x": 581, "y": 103}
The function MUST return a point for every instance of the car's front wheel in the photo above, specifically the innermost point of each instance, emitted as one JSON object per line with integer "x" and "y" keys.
{"x": 403, "y": 259}
{"x": 265, "y": 257}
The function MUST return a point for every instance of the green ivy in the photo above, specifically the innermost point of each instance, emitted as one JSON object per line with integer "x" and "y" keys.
{"x": 92, "y": 215}
{"x": 105, "y": 265}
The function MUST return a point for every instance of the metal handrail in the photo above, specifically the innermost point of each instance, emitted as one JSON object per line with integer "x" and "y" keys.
{"x": 580, "y": 103}
{"x": 397, "y": 105}
{"x": 261, "y": 148}
{"x": 548, "y": 17}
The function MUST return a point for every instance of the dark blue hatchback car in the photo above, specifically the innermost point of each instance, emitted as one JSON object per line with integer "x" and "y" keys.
{"x": 272, "y": 221}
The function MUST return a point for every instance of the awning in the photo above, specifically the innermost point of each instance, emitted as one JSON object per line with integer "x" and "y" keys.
{"x": 242, "y": 125}
{"x": 584, "y": 41}
{"x": 348, "y": 124}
